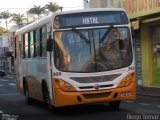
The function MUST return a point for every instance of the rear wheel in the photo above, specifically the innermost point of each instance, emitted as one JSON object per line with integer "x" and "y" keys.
{"x": 2, "y": 74}
{"x": 114, "y": 105}
{"x": 26, "y": 92}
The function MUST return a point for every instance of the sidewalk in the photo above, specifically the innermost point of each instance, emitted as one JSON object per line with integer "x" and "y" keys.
{"x": 149, "y": 92}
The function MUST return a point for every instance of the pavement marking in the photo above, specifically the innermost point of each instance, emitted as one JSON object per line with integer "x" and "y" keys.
{"x": 12, "y": 84}
{"x": 1, "y": 85}
{"x": 3, "y": 80}
{"x": 144, "y": 104}
{"x": 158, "y": 106}
{"x": 10, "y": 94}
{"x": 129, "y": 101}
{"x": 9, "y": 77}
{"x": 1, "y": 111}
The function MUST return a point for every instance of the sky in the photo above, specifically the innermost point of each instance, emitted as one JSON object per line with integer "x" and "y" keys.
{"x": 21, "y": 6}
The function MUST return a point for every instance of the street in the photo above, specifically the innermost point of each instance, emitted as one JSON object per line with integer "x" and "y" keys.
{"x": 13, "y": 105}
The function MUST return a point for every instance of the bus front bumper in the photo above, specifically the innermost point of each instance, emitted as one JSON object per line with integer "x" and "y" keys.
{"x": 75, "y": 98}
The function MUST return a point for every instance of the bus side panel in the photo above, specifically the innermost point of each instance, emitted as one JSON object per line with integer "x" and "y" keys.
{"x": 17, "y": 77}
{"x": 35, "y": 70}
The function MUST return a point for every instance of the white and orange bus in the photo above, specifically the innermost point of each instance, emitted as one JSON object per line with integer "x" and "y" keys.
{"x": 77, "y": 57}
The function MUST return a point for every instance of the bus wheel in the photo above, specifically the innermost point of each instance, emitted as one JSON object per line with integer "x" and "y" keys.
{"x": 46, "y": 98}
{"x": 28, "y": 99}
{"x": 114, "y": 105}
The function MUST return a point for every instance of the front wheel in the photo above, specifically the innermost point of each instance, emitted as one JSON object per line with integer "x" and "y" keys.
{"x": 114, "y": 105}
{"x": 46, "y": 98}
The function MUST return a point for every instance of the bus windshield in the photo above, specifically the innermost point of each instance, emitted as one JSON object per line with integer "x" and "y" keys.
{"x": 92, "y": 50}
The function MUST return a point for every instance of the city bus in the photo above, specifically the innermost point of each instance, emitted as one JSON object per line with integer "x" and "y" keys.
{"x": 77, "y": 57}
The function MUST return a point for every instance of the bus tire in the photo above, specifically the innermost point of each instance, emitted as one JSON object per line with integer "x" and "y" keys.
{"x": 26, "y": 93}
{"x": 46, "y": 98}
{"x": 114, "y": 105}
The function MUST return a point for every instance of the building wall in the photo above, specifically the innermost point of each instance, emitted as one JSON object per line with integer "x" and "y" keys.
{"x": 94, "y": 3}
{"x": 101, "y": 3}
{"x": 146, "y": 56}
{"x": 151, "y": 71}
{"x": 4, "y": 44}
{"x": 5, "y": 59}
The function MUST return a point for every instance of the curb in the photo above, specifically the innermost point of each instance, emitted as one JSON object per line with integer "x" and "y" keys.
{"x": 148, "y": 95}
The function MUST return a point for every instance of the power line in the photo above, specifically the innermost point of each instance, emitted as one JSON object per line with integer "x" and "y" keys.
{"x": 32, "y": 7}
{"x": 14, "y": 8}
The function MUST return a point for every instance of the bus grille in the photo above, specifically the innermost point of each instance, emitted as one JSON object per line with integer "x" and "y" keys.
{"x": 95, "y": 79}
{"x": 96, "y": 95}
{"x": 91, "y": 87}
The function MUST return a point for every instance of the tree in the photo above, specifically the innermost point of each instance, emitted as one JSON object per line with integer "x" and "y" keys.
{"x": 18, "y": 19}
{"x": 37, "y": 10}
{"x": 2, "y": 31}
{"x": 5, "y": 15}
{"x": 52, "y": 7}
{"x": 1, "y": 18}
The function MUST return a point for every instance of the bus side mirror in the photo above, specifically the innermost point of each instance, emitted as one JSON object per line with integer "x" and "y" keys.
{"x": 133, "y": 32}
{"x": 49, "y": 44}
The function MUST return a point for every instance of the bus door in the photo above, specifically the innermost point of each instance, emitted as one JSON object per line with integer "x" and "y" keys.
{"x": 49, "y": 61}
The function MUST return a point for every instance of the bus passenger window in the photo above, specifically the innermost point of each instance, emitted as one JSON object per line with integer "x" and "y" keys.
{"x": 19, "y": 52}
{"x": 26, "y": 40}
{"x": 37, "y": 43}
{"x": 32, "y": 44}
{"x": 43, "y": 42}
{"x": 15, "y": 49}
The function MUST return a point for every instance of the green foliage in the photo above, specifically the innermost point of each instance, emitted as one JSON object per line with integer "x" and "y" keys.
{"x": 2, "y": 31}
{"x": 52, "y": 7}
{"x": 37, "y": 10}
{"x": 18, "y": 19}
{"x": 5, "y": 15}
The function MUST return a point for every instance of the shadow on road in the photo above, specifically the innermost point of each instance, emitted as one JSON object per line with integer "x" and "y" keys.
{"x": 79, "y": 110}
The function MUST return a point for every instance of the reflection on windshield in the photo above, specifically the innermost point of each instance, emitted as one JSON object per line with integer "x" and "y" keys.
{"x": 92, "y": 50}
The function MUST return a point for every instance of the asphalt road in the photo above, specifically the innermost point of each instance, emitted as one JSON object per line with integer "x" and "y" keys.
{"x": 14, "y": 107}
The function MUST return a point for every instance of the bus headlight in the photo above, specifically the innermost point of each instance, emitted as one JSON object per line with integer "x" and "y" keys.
{"x": 125, "y": 82}
{"x": 64, "y": 86}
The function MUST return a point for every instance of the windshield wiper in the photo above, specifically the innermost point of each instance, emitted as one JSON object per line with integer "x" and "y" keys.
{"x": 106, "y": 34}
{"x": 81, "y": 35}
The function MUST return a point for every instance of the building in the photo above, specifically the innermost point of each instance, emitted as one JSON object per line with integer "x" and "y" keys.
{"x": 145, "y": 18}
{"x": 5, "y": 53}
{"x": 101, "y": 3}
{"x": 86, "y": 4}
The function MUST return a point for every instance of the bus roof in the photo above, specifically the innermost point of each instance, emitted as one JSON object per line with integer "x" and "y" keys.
{"x": 50, "y": 18}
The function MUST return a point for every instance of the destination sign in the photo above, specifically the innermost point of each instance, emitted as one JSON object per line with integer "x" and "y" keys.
{"x": 90, "y": 19}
